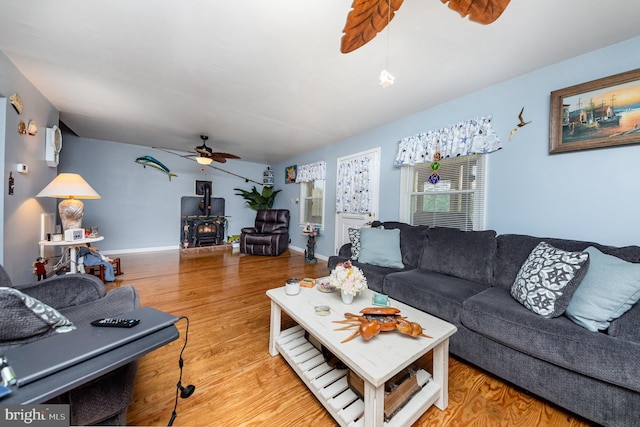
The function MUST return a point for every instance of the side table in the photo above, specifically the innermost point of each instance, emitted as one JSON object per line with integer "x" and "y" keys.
{"x": 72, "y": 245}
{"x": 311, "y": 231}
{"x": 310, "y": 252}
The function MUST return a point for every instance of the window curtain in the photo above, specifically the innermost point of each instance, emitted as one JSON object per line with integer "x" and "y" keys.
{"x": 461, "y": 139}
{"x": 353, "y": 193}
{"x": 311, "y": 172}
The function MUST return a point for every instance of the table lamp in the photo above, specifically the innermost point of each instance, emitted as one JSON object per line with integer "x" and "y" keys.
{"x": 70, "y": 187}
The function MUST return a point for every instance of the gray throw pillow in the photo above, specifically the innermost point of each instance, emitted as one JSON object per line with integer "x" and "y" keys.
{"x": 610, "y": 289}
{"x": 354, "y": 238}
{"x": 548, "y": 278}
{"x": 24, "y": 316}
{"x": 380, "y": 247}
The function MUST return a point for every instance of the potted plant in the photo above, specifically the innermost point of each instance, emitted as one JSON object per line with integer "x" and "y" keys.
{"x": 257, "y": 200}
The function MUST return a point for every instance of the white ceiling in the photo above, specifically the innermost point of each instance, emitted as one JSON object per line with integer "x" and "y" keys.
{"x": 266, "y": 79}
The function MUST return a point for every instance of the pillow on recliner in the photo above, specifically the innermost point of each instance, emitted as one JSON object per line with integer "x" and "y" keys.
{"x": 380, "y": 247}
{"x": 24, "y": 316}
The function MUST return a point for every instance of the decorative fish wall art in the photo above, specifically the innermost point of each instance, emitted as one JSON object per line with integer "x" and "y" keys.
{"x": 154, "y": 163}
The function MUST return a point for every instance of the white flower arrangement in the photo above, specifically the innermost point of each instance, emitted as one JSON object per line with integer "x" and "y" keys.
{"x": 348, "y": 278}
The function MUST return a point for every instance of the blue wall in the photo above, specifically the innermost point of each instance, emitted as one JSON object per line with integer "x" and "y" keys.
{"x": 20, "y": 216}
{"x": 140, "y": 207}
{"x": 587, "y": 195}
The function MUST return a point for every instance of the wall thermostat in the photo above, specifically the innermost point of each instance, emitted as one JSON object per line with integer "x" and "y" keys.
{"x": 22, "y": 168}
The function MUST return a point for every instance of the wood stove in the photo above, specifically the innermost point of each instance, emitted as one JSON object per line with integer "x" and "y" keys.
{"x": 209, "y": 231}
{"x": 202, "y": 221}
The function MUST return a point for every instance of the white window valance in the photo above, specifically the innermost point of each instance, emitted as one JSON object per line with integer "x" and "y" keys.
{"x": 311, "y": 172}
{"x": 461, "y": 139}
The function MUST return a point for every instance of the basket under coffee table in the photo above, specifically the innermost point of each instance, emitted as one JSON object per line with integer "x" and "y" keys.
{"x": 375, "y": 361}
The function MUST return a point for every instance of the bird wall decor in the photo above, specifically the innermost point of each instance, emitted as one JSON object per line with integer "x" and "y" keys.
{"x": 368, "y": 17}
{"x": 519, "y": 125}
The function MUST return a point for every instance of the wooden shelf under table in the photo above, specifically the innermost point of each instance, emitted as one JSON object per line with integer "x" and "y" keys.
{"x": 330, "y": 385}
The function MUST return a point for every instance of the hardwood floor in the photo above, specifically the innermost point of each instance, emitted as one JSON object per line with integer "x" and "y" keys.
{"x": 237, "y": 382}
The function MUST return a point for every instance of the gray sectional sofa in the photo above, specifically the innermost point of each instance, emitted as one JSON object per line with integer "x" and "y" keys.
{"x": 466, "y": 278}
{"x": 80, "y": 299}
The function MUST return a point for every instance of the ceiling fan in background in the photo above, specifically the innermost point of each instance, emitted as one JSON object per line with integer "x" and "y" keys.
{"x": 206, "y": 155}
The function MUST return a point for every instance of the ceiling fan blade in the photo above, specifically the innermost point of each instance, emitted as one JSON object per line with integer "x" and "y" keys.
{"x": 366, "y": 19}
{"x": 481, "y": 11}
{"x": 225, "y": 155}
{"x": 205, "y": 151}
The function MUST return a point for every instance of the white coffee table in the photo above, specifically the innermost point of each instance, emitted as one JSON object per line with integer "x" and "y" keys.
{"x": 375, "y": 361}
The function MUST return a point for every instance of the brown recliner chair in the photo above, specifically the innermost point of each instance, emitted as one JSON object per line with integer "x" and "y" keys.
{"x": 270, "y": 236}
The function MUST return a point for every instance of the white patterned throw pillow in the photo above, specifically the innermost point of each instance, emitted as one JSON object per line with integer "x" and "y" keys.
{"x": 354, "y": 238}
{"x": 548, "y": 278}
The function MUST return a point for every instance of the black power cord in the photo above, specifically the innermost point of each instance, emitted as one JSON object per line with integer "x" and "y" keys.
{"x": 183, "y": 392}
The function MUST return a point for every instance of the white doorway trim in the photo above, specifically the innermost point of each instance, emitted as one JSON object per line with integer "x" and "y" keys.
{"x": 345, "y": 220}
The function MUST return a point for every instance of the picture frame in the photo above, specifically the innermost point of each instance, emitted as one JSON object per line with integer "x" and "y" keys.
{"x": 200, "y": 187}
{"x": 601, "y": 113}
{"x": 290, "y": 173}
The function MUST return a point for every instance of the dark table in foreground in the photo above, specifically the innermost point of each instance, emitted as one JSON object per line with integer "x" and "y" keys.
{"x": 80, "y": 373}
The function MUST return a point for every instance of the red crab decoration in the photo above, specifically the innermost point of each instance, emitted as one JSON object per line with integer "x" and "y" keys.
{"x": 379, "y": 319}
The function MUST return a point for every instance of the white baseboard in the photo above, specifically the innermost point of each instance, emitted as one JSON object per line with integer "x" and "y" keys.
{"x": 140, "y": 250}
{"x": 169, "y": 248}
{"x": 297, "y": 249}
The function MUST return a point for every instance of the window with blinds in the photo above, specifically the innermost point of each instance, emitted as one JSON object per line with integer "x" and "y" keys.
{"x": 457, "y": 200}
{"x": 312, "y": 202}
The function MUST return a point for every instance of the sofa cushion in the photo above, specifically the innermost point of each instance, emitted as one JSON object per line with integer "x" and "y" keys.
{"x": 513, "y": 250}
{"x": 116, "y": 302}
{"x": 464, "y": 254}
{"x": 626, "y": 327}
{"x": 27, "y": 317}
{"x": 412, "y": 240}
{"x": 354, "y": 238}
{"x": 548, "y": 278}
{"x": 375, "y": 274}
{"x": 61, "y": 291}
{"x": 438, "y": 294}
{"x": 609, "y": 289}
{"x": 496, "y": 315}
{"x": 380, "y": 247}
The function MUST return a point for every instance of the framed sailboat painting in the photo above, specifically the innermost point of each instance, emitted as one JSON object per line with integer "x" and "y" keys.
{"x": 600, "y": 113}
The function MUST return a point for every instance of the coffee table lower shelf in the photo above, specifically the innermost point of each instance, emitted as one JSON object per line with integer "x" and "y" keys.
{"x": 330, "y": 385}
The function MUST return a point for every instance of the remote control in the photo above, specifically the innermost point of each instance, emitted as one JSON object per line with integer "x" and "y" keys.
{"x": 113, "y": 322}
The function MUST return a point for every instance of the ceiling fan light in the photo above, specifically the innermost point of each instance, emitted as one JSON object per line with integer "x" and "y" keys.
{"x": 204, "y": 160}
{"x": 386, "y": 79}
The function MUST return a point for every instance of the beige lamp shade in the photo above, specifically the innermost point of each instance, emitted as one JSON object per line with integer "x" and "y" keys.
{"x": 71, "y": 187}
